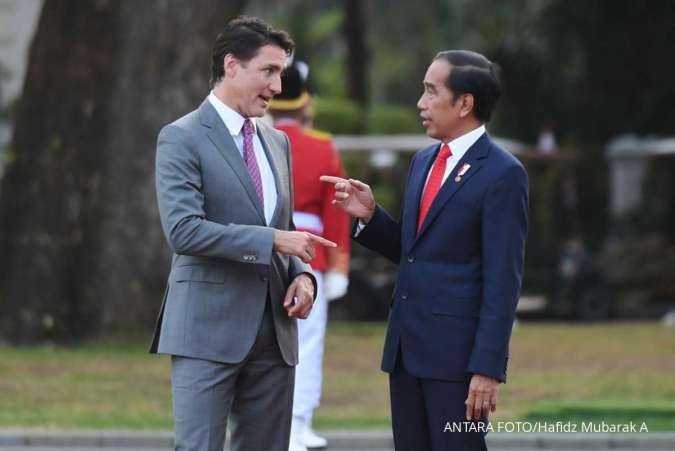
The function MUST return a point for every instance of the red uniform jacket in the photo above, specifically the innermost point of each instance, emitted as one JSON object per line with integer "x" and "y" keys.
{"x": 315, "y": 155}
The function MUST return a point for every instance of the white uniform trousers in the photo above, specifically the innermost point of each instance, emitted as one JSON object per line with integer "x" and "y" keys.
{"x": 309, "y": 371}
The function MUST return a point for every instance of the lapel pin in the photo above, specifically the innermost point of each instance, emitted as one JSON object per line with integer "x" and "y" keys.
{"x": 463, "y": 170}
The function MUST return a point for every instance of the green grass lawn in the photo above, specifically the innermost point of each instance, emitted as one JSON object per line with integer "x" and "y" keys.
{"x": 616, "y": 373}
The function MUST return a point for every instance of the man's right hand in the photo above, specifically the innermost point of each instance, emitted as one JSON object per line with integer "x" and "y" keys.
{"x": 300, "y": 244}
{"x": 353, "y": 197}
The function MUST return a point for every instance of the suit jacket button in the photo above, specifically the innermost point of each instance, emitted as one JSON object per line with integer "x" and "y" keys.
{"x": 263, "y": 278}
{"x": 411, "y": 259}
{"x": 404, "y": 297}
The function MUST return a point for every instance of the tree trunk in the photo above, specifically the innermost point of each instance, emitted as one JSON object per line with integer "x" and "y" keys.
{"x": 81, "y": 245}
{"x": 357, "y": 51}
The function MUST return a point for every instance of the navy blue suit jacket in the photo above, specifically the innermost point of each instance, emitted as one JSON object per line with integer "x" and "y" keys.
{"x": 459, "y": 279}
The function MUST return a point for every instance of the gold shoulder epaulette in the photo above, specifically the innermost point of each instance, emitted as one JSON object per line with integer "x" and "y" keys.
{"x": 318, "y": 134}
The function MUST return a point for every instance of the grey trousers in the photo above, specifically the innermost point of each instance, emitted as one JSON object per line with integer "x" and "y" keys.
{"x": 256, "y": 394}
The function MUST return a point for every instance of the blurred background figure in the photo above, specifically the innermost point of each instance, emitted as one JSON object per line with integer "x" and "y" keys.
{"x": 313, "y": 155}
{"x": 546, "y": 142}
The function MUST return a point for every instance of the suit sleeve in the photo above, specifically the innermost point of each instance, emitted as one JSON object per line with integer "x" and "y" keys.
{"x": 383, "y": 233}
{"x": 295, "y": 265}
{"x": 504, "y": 230}
{"x": 180, "y": 199}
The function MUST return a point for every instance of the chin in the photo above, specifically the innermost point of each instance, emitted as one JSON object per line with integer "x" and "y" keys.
{"x": 257, "y": 112}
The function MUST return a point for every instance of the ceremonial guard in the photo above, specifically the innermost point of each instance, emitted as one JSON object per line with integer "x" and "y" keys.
{"x": 313, "y": 154}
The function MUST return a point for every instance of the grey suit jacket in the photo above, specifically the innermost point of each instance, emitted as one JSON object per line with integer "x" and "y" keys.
{"x": 223, "y": 265}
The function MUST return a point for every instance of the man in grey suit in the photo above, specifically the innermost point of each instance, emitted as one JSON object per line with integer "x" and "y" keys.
{"x": 239, "y": 275}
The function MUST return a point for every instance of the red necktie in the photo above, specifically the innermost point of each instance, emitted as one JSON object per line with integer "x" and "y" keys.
{"x": 434, "y": 183}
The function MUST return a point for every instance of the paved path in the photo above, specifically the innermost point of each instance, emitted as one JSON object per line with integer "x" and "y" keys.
{"x": 41, "y": 440}
{"x": 41, "y": 448}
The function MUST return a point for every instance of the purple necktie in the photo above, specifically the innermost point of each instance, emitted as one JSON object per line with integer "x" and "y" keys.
{"x": 250, "y": 160}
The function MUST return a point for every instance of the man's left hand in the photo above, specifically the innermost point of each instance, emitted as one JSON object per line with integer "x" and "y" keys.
{"x": 299, "y": 297}
{"x": 482, "y": 397}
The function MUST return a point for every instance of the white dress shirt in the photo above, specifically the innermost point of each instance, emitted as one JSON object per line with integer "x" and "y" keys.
{"x": 458, "y": 147}
{"x": 234, "y": 123}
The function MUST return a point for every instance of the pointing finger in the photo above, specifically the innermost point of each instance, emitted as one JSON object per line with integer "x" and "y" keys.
{"x": 321, "y": 240}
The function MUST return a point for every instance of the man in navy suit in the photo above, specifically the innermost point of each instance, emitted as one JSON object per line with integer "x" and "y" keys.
{"x": 459, "y": 244}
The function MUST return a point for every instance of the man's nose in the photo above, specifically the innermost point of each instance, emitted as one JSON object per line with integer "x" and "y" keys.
{"x": 420, "y": 104}
{"x": 275, "y": 86}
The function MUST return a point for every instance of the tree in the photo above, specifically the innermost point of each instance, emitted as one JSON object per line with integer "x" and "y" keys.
{"x": 595, "y": 71}
{"x": 357, "y": 51}
{"x": 81, "y": 245}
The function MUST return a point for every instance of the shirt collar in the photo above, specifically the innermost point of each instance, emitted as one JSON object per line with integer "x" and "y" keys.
{"x": 460, "y": 145}
{"x": 233, "y": 120}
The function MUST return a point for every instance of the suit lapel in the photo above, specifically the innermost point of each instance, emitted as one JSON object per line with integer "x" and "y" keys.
{"x": 414, "y": 194}
{"x": 474, "y": 156}
{"x": 221, "y": 138}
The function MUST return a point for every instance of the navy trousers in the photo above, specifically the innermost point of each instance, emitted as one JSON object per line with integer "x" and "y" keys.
{"x": 427, "y": 413}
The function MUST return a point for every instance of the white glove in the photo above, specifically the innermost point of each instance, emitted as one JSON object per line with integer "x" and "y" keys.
{"x": 335, "y": 285}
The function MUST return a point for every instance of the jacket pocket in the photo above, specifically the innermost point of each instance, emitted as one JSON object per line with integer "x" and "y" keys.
{"x": 462, "y": 307}
{"x": 196, "y": 273}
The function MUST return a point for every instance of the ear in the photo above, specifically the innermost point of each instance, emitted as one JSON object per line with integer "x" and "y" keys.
{"x": 466, "y": 107}
{"x": 230, "y": 65}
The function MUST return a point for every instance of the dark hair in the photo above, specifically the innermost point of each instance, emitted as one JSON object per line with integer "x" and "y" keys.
{"x": 474, "y": 74}
{"x": 243, "y": 37}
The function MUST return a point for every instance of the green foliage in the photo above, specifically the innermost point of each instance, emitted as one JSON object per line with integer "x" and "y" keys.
{"x": 392, "y": 119}
{"x": 338, "y": 116}
{"x": 55, "y": 143}
{"x": 594, "y": 71}
{"x": 10, "y": 156}
{"x": 545, "y": 206}
{"x": 316, "y": 32}
{"x": 325, "y": 26}
{"x": 342, "y": 116}
{"x": 356, "y": 165}
{"x": 386, "y": 196}
{"x": 395, "y": 79}
{"x": 328, "y": 79}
